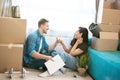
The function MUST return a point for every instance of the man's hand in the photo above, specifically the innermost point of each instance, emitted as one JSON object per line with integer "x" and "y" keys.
{"x": 59, "y": 40}
{"x": 48, "y": 58}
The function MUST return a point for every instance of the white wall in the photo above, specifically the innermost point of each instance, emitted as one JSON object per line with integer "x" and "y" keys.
{"x": 64, "y": 16}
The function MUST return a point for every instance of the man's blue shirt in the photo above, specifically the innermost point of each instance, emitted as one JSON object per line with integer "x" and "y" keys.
{"x": 32, "y": 45}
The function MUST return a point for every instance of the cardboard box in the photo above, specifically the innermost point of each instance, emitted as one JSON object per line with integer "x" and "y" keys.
{"x": 12, "y": 30}
{"x": 108, "y": 13}
{"x": 109, "y": 5}
{"x": 108, "y": 35}
{"x": 111, "y": 16}
{"x": 11, "y": 56}
{"x": 112, "y": 4}
{"x": 117, "y": 4}
{"x": 110, "y": 28}
{"x": 106, "y": 43}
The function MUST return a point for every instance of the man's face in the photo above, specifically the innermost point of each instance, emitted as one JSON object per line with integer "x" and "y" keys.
{"x": 45, "y": 27}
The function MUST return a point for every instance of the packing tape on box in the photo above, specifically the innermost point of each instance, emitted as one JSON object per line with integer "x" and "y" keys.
{"x": 110, "y": 23}
{"x": 10, "y": 45}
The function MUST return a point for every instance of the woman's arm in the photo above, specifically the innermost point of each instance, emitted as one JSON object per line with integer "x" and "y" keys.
{"x": 76, "y": 51}
{"x": 65, "y": 48}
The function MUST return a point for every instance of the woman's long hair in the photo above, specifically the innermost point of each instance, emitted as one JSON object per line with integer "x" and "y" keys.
{"x": 84, "y": 32}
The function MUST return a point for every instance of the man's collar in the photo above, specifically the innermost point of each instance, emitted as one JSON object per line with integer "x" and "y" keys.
{"x": 38, "y": 32}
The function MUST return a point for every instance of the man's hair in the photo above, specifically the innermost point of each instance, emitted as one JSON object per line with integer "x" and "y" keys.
{"x": 42, "y": 21}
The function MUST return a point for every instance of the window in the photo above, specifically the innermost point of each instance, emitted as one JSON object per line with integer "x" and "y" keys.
{"x": 64, "y": 16}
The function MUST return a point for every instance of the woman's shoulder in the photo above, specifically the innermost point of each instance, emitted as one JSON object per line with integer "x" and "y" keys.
{"x": 83, "y": 46}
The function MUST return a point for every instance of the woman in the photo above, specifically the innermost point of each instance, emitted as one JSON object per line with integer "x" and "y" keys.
{"x": 79, "y": 45}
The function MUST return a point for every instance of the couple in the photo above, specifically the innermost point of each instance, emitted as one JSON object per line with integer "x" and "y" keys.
{"x": 37, "y": 52}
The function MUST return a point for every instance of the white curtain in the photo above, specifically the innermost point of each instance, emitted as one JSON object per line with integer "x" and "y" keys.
{"x": 64, "y": 16}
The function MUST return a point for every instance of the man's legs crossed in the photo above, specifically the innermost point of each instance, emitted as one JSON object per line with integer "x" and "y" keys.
{"x": 36, "y": 64}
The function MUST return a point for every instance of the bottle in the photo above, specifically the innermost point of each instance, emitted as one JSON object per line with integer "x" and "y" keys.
{"x": 16, "y": 11}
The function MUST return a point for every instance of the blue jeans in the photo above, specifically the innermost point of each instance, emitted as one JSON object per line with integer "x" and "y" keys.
{"x": 69, "y": 60}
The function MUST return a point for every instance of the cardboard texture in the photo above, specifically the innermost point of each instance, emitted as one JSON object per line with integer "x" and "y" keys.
{"x": 12, "y": 30}
{"x": 112, "y": 4}
{"x": 106, "y": 43}
{"x": 109, "y": 35}
{"x": 11, "y": 57}
{"x": 111, "y": 16}
{"x": 108, "y": 12}
{"x": 117, "y": 4}
{"x": 110, "y": 28}
{"x": 109, "y": 5}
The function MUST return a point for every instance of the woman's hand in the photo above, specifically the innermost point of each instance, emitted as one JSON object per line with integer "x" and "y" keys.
{"x": 59, "y": 40}
{"x": 79, "y": 41}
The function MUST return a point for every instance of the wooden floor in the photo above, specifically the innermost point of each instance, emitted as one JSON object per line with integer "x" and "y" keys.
{"x": 33, "y": 75}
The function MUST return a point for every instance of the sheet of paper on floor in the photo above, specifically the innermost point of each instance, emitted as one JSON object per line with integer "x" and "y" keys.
{"x": 54, "y": 65}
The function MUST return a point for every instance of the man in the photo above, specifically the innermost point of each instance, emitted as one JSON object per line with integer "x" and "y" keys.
{"x": 36, "y": 50}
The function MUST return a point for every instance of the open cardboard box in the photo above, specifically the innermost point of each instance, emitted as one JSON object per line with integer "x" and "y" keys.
{"x": 108, "y": 41}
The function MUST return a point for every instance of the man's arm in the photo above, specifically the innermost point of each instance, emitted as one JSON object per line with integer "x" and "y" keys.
{"x": 52, "y": 47}
{"x": 41, "y": 56}
{"x": 59, "y": 40}
{"x": 31, "y": 49}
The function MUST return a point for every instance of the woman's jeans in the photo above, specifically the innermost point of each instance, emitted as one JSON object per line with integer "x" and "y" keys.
{"x": 69, "y": 60}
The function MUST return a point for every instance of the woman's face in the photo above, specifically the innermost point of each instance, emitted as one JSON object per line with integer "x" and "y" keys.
{"x": 77, "y": 35}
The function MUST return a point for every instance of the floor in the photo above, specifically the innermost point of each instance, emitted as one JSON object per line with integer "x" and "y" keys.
{"x": 33, "y": 75}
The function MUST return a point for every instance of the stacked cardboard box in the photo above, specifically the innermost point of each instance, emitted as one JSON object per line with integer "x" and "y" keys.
{"x": 108, "y": 18}
{"x": 107, "y": 41}
{"x": 12, "y": 38}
